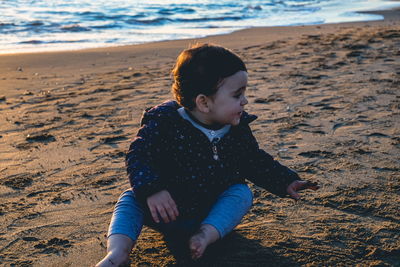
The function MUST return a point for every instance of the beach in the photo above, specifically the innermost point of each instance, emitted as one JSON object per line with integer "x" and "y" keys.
{"x": 328, "y": 104}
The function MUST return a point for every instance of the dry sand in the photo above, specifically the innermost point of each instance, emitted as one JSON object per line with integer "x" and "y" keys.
{"x": 328, "y": 102}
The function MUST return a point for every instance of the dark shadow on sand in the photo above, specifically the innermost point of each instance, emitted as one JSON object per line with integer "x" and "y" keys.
{"x": 233, "y": 250}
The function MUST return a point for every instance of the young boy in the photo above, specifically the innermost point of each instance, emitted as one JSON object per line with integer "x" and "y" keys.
{"x": 189, "y": 161}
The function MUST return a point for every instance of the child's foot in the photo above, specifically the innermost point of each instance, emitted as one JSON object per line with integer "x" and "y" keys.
{"x": 118, "y": 249}
{"x": 114, "y": 260}
{"x": 198, "y": 243}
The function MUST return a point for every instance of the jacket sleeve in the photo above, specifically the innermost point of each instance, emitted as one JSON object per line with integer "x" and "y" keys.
{"x": 143, "y": 160}
{"x": 261, "y": 168}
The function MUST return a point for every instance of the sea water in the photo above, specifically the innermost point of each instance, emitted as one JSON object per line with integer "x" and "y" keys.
{"x": 49, "y": 25}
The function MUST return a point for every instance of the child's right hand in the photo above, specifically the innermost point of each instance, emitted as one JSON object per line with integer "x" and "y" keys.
{"x": 162, "y": 204}
{"x": 298, "y": 185}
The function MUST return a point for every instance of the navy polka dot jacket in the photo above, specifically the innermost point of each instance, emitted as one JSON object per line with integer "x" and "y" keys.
{"x": 170, "y": 153}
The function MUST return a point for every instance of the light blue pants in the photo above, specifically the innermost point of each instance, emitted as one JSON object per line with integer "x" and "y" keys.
{"x": 225, "y": 214}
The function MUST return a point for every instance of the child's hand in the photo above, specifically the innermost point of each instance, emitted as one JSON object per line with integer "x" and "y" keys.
{"x": 162, "y": 204}
{"x": 298, "y": 185}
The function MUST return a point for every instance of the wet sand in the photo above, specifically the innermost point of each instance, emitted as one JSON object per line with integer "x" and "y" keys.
{"x": 328, "y": 101}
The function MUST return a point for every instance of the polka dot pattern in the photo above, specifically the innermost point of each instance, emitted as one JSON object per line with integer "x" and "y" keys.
{"x": 170, "y": 153}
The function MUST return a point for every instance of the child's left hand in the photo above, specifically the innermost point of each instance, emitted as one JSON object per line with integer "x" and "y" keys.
{"x": 298, "y": 185}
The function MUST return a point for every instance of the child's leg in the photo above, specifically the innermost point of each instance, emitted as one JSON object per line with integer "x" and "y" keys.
{"x": 224, "y": 216}
{"x": 126, "y": 224}
{"x": 118, "y": 248}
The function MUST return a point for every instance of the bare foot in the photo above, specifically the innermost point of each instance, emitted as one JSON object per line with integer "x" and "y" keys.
{"x": 198, "y": 243}
{"x": 114, "y": 260}
{"x": 118, "y": 249}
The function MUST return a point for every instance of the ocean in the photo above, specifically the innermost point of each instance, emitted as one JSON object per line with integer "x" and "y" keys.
{"x": 33, "y": 26}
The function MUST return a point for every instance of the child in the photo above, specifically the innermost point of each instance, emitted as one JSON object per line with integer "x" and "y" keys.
{"x": 188, "y": 163}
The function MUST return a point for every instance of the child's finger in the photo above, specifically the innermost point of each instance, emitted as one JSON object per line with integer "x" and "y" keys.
{"x": 154, "y": 214}
{"x": 174, "y": 207}
{"x": 163, "y": 213}
{"x": 170, "y": 212}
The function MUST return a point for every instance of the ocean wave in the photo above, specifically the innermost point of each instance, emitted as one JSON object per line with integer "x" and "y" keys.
{"x": 156, "y": 21}
{"x": 54, "y": 12}
{"x": 32, "y": 42}
{"x": 29, "y": 27}
{"x": 176, "y": 10}
{"x": 89, "y": 15}
{"x": 250, "y": 7}
{"x": 53, "y": 41}
{"x": 68, "y": 41}
{"x": 7, "y": 24}
{"x": 227, "y": 18}
{"x": 35, "y": 23}
{"x": 106, "y": 26}
{"x": 161, "y": 21}
{"x": 74, "y": 28}
{"x": 42, "y": 23}
{"x": 99, "y": 16}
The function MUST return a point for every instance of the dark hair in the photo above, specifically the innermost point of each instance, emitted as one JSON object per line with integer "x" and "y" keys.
{"x": 200, "y": 69}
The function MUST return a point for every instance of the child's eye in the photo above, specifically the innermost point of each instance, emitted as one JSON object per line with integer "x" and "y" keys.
{"x": 239, "y": 93}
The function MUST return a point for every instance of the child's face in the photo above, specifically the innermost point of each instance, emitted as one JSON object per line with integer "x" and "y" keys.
{"x": 227, "y": 105}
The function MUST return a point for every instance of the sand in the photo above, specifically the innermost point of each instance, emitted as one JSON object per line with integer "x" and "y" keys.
{"x": 328, "y": 102}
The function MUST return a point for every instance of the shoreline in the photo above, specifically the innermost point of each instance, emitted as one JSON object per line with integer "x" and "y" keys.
{"x": 328, "y": 106}
{"x": 106, "y": 59}
{"x": 386, "y": 13}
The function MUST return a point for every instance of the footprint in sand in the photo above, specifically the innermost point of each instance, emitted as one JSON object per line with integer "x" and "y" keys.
{"x": 63, "y": 184}
{"x": 356, "y": 46}
{"x": 18, "y": 181}
{"x": 60, "y": 199}
{"x": 271, "y": 98}
{"x": 386, "y": 169}
{"x": 376, "y": 135}
{"x": 104, "y": 182}
{"x": 30, "y": 238}
{"x": 323, "y": 106}
{"x": 317, "y": 154}
{"x": 390, "y": 34}
{"x": 53, "y": 246}
{"x": 34, "y": 138}
{"x": 40, "y": 137}
{"x": 109, "y": 140}
{"x": 342, "y": 124}
{"x": 36, "y": 193}
{"x": 396, "y": 141}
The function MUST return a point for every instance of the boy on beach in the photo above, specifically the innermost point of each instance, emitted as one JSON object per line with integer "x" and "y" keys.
{"x": 190, "y": 158}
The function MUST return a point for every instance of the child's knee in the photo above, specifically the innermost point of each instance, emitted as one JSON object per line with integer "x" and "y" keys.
{"x": 127, "y": 217}
{"x": 244, "y": 193}
{"x": 127, "y": 194}
{"x": 127, "y": 200}
{"x": 247, "y": 195}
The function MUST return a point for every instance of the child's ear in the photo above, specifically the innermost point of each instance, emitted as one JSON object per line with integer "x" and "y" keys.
{"x": 202, "y": 103}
